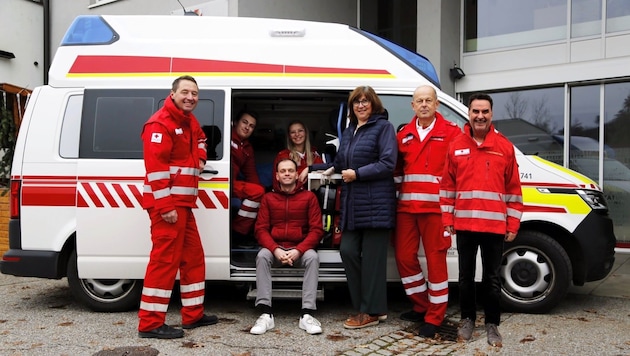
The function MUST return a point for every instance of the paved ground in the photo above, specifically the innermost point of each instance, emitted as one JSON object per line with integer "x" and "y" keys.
{"x": 39, "y": 317}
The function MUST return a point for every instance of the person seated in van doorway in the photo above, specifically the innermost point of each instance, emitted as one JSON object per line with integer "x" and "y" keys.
{"x": 299, "y": 149}
{"x": 170, "y": 193}
{"x": 288, "y": 228}
{"x": 246, "y": 185}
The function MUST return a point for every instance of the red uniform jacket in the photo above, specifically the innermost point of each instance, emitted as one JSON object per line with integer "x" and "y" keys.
{"x": 243, "y": 164}
{"x": 173, "y": 144}
{"x": 289, "y": 220}
{"x": 481, "y": 187}
{"x": 420, "y": 165}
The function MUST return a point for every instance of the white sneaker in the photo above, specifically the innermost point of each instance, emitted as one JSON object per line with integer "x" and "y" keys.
{"x": 310, "y": 324}
{"x": 264, "y": 323}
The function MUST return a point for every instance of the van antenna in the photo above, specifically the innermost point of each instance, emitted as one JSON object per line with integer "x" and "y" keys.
{"x": 187, "y": 13}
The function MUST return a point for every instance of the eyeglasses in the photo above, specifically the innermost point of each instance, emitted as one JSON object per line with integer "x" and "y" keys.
{"x": 363, "y": 102}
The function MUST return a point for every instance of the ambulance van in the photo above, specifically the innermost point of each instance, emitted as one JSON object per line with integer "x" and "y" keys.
{"x": 77, "y": 175}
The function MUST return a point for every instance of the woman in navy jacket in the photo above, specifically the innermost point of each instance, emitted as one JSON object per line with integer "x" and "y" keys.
{"x": 366, "y": 159}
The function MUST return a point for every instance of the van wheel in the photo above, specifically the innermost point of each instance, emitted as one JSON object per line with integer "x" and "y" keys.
{"x": 535, "y": 273}
{"x": 103, "y": 295}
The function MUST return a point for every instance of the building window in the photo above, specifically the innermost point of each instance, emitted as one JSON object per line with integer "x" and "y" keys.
{"x": 617, "y": 15}
{"x": 491, "y": 24}
{"x": 586, "y": 18}
{"x": 532, "y": 119}
{"x": 617, "y": 156}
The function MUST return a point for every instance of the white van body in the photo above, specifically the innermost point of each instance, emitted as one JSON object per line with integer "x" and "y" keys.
{"x": 77, "y": 172}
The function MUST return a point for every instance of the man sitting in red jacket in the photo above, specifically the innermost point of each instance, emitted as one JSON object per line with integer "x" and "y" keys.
{"x": 288, "y": 228}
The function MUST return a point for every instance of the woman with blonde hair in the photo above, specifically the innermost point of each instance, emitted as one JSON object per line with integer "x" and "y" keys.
{"x": 299, "y": 149}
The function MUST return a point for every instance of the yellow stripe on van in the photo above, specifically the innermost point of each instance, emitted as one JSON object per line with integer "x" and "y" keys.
{"x": 573, "y": 203}
{"x": 214, "y": 185}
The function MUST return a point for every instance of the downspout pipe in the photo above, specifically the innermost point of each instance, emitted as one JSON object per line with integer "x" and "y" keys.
{"x": 47, "y": 58}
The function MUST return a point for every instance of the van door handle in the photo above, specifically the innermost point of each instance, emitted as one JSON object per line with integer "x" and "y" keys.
{"x": 211, "y": 171}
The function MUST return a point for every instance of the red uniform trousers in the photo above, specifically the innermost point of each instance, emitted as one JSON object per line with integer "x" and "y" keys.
{"x": 250, "y": 194}
{"x": 176, "y": 247}
{"x": 410, "y": 230}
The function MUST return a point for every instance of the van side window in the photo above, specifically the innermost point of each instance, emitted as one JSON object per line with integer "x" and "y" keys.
{"x": 112, "y": 120}
{"x": 70, "y": 128}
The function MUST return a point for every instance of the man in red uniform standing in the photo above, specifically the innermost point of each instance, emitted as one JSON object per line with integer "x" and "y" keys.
{"x": 174, "y": 153}
{"x": 422, "y": 146}
{"x": 482, "y": 203}
{"x": 246, "y": 185}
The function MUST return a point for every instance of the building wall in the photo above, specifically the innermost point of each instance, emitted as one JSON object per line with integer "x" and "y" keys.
{"x": 22, "y": 35}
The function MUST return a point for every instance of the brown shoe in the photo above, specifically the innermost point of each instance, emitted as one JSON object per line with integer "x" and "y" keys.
{"x": 360, "y": 320}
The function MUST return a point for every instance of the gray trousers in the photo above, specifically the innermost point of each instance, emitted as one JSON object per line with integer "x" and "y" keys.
{"x": 309, "y": 261}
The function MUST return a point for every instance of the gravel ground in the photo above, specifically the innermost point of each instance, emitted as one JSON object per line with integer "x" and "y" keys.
{"x": 39, "y": 317}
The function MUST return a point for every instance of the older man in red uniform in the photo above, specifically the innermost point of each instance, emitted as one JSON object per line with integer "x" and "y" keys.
{"x": 174, "y": 153}
{"x": 422, "y": 146}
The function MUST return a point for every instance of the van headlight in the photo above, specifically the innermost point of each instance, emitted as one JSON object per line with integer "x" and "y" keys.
{"x": 594, "y": 199}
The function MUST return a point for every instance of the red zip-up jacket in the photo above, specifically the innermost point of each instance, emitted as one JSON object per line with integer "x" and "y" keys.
{"x": 243, "y": 164}
{"x": 289, "y": 220}
{"x": 481, "y": 187}
{"x": 420, "y": 165}
{"x": 173, "y": 144}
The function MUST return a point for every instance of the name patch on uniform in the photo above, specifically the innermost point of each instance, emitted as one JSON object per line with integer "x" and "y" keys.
{"x": 156, "y": 137}
{"x": 179, "y": 131}
{"x": 462, "y": 152}
{"x": 234, "y": 144}
{"x": 407, "y": 138}
{"x": 437, "y": 138}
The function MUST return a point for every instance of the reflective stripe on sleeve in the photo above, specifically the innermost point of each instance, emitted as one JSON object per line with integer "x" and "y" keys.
{"x": 152, "y": 177}
{"x": 420, "y": 196}
{"x": 479, "y": 214}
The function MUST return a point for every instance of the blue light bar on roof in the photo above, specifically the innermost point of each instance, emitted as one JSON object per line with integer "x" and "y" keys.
{"x": 89, "y": 30}
{"x": 417, "y": 61}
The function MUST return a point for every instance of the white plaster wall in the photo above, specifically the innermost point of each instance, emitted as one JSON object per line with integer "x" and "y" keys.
{"x": 22, "y": 35}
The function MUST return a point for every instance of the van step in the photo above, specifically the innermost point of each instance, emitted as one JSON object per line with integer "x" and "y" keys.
{"x": 285, "y": 293}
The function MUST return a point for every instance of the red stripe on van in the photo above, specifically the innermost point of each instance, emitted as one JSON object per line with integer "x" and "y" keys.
{"x": 136, "y": 193}
{"x": 108, "y": 196}
{"x": 138, "y": 64}
{"x": 48, "y": 196}
{"x": 122, "y": 195}
{"x": 543, "y": 209}
{"x": 92, "y": 195}
{"x": 81, "y": 203}
{"x": 207, "y": 65}
{"x": 205, "y": 199}
{"x": 223, "y": 199}
{"x": 550, "y": 185}
{"x": 120, "y": 64}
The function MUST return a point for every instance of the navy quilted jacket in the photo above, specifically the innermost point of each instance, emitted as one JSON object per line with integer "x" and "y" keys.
{"x": 369, "y": 201}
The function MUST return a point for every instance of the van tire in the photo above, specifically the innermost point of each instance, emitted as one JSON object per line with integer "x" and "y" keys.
{"x": 535, "y": 273}
{"x": 103, "y": 295}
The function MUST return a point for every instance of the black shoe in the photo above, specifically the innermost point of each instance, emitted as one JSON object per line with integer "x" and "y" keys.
{"x": 427, "y": 330}
{"x": 412, "y": 315}
{"x": 204, "y": 321}
{"x": 163, "y": 332}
